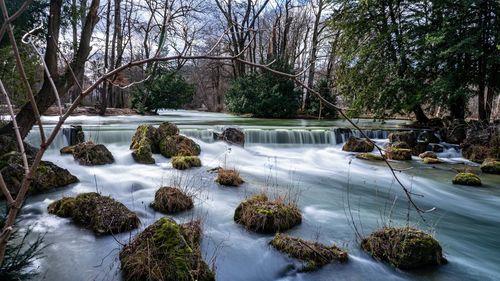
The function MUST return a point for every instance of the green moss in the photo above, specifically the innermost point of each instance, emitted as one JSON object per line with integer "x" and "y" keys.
{"x": 261, "y": 215}
{"x": 185, "y": 162}
{"x": 369, "y": 156}
{"x": 313, "y": 254}
{"x": 467, "y": 179}
{"x": 404, "y": 248}
{"x": 430, "y": 160}
{"x": 63, "y": 207}
{"x": 491, "y": 166}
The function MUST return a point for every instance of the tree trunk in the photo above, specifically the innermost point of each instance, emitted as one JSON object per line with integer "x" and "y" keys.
{"x": 312, "y": 56}
{"x": 420, "y": 114}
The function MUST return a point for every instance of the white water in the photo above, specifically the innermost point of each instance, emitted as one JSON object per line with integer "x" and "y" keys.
{"x": 281, "y": 156}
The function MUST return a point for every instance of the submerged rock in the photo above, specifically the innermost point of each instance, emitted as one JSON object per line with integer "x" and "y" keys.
{"x": 185, "y": 162}
{"x": 404, "y": 248}
{"x": 166, "y": 251}
{"x": 232, "y": 136}
{"x": 354, "y": 144}
{"x": 179, "y": 146}
{"x": 89, "y": 154}
{"x": 314, "y": 254}
{"x": 171, "y": 200}
{"x": 261, "y": 215}
{"x": 430, "y": 160}
{"x": 394, "y": 153}
{"x": 228, "y": 177}
{"x": 408, "y": 137}
{"x": 428, "y": 154}
{"x": 491, "y": 166}
{"x": 48, "y": 176}
{"x": 370, "y": 156}
{"x": 467, "y": 179}
{"x": 101, "y": 214}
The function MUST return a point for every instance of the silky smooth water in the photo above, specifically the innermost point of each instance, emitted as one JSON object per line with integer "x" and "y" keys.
{"x": 302, "y": 158}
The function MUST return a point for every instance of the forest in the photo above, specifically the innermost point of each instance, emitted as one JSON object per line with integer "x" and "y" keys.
{"x": 249, "y": 140}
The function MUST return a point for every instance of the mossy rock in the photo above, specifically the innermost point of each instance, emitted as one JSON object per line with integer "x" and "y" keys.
{"x": 399, "y": 145}
{"x": 354, "y": 144}
{"x": 404, "y": 248}
{"x": 370, "y": 156}
{"x": 401, "y": 154}
{"x": 261, "y": 215}
{"x": 491, "y": 166}
{"x": 232, "y": 136}
{"x": 228, "y": 177}
{"x": 49, "y": 176}
{"x": 313, "y": 254}
{"x": 170, "y": 200}
{"x": 179, "y": 146}
{"x": 167, "y": 129}
{"x": 185, "y": 162}
{"x": 430, "y": 160}
{"x": 101, "y": 214}
{"x": 408, "y": 137}
{"x": 90, "y": 154}
{"x": 144, "y": 132}
{"x": 467, "y": 179}
{"x": 63, "y": 207}
{"x": 142, "y": 153}
{"x": 428, "y": 154}
{"x": 165, "y": 251}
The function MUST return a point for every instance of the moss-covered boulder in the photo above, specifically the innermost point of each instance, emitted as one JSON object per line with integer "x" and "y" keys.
{"x": 430, "y": 160}
{"x": 102, "y": 214}
{"x": 49, "y": 176}
{"x": 401, "y": 154}
{"x": 262, "y": 215}
{"x": 228, "y": 177}
{"x": 167, "y": 129}
{"x": 313, "y": 254}
{"x": 179, "y": 146}
{"x": 404, "y": 248}
{"x": 467, "y": 179}
{"x": 491, "y": 166}
{"x": 185, "y": 162}
{"x": 370, "y": 156}
{"x": 165, "y": 251}
{"x": 428, "y": 154}
{"x": 170, "y": 200}
{"x": 90, "y": 154}
{"x": 354, "y": 144}
{"x": 408, "y": 137}
{"x": 144, "y": 144}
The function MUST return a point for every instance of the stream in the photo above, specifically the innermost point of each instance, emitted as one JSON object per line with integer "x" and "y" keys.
{"x": 301, "y": 158}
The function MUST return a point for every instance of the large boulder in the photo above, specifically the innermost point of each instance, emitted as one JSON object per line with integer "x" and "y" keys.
{"x": 232, "y": 136}
{"x": 166, "y": 251}
{"x": 354, "y": 144}
{"x": 90, "y": 154}
{"x": 312, "y": 253}
{"x": 179, "y": 145}
{"x": 101, "y": 214}
{"x": 409, "y": 137}
{"x": 262, "y": 215}
{"x": 167, "y": 129}
{"x": 491, "y": 166}
{"x": 48, "y": 176}
{"x": 467, "y": 179}
{"x": 404, "y": 248}
{"x": 170, "y": 200}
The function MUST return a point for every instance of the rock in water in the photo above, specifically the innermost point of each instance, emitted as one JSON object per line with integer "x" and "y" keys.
{"x": 261, "y": 215}
{"x": 179, "y": 146}
{"x": 90, "y": 154}
{"x": 408, "y": 137}
{"x": 232, "y": 136}
{"x": 144, "y": 143}
{"x": 430, "y": 160}
{"x": 428, "y": 154}
{"x": 395, "y": 153}
{"x": 166, "y": 251}
{"x": 491, "y": 166}
{"x": 167, "y": 129}
{"x": 228, "y": 177}
{"x": 101, "y": 214}
{"x": 354, "y": 144}
{"x": 404, "y": 248}
{"x": 185, "y": 162}
{"x": 314, "y": 254}
{"x": 170, "y": 200}
{"x": 370, "y": 156}
{"x": 467, "y": 179}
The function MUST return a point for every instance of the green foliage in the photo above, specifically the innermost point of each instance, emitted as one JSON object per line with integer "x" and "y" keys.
{"x": 264, "y": 94}
{"x": 34, "y": 15}
{"x": 165, "y": 89}
{"x": 324, "y": 87}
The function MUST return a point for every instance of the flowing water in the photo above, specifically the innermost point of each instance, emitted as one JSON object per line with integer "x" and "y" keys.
{"x": 301, "y": 158}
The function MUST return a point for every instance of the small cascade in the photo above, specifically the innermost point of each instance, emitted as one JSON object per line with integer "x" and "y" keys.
{"x": 287, "y": 136}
